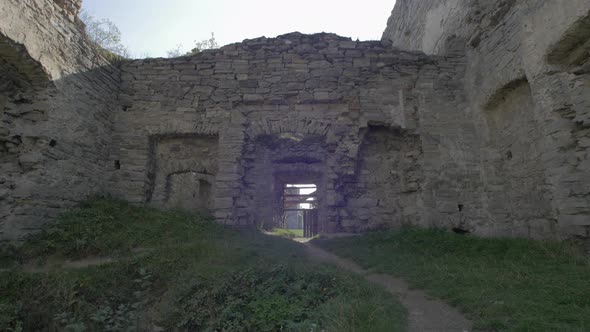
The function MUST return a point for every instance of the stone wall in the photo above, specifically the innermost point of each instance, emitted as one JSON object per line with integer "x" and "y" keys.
{"x": 388, "y": 181}
{"x": 516, "y": 191}
{"x": 293, "y": 108}
{"x": 70, "y": 7}
{"x": 57, "y": 99}
{"x": 526, "y": 82}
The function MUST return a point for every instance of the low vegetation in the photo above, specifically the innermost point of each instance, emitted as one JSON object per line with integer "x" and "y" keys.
{"x": 288, "y": 233}
{"x": 502, "y": 284}
{"x": 172, "y": 270}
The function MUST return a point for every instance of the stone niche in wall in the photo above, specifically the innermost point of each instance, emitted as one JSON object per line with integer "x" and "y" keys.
{"x": 518, "y": 203}
{"x": 574, "y": 47}
{"x": 189, "y": 190}
{"x": 388, "y": 181}
{"x": 183, "y": 170}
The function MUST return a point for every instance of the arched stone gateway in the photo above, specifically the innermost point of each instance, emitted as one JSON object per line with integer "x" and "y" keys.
{"x": 466, "y": 115}
{"x": 276, "y": 161}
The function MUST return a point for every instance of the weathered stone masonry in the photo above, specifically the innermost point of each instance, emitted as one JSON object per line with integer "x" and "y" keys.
{"x": 58, "y": 97}
{"x": 482, "y": 127}
{"x": 527, "y": 86}
{"x": 298, "y": 107}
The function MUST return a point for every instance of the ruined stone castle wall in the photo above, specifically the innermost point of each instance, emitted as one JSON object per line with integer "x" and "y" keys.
{"x": 390, "y": 181}
{"x": 482, "y": 126}
{"x": 57, "y": 98}
{"x": 295, "y": 108}
{"x": 527, "y": 87}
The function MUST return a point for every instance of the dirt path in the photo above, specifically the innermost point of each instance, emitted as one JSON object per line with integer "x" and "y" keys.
{"x": 425, "y": 314}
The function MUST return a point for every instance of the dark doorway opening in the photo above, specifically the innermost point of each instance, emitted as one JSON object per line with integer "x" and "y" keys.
{"x": 205, "y": 195}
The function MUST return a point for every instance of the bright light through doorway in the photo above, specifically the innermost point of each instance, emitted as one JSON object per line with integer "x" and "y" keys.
{"x": 305, "y": 189}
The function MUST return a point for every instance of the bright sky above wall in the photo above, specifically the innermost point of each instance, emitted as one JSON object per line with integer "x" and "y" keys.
{"x": 152, "y": 27}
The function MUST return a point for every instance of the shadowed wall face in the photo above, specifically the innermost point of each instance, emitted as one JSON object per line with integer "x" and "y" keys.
{"x": 386, "y": 191}
{"x": 527, "y": 96}
{"x": 57, "y": 103}
{"x": 514, "y": 173}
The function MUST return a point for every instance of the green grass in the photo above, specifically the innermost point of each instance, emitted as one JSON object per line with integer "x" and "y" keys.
{"x": 501, "y": 284}
{"x": 288, "y": 233}
{"x": 190, "y": 275}
{"x": 108, "y": 227}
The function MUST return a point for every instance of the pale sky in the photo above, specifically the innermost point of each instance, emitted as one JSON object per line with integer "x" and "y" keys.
{"x": 152, "y": 27}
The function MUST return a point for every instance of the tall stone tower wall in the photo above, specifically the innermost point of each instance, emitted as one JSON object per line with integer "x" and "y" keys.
{"x": 527, "y": 85}
{"x": 58, "y": 95}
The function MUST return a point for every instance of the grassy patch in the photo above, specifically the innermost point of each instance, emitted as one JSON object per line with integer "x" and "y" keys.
{"x": 109, "y": 227}
{"x": 288, "y": 233}
{"x": 502, "y": 284}
{"x": 191, "y": 274}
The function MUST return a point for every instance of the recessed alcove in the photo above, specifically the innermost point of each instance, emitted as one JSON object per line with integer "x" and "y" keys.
{"x": 513, "y": 171}
{"x": 182, "y": 171}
